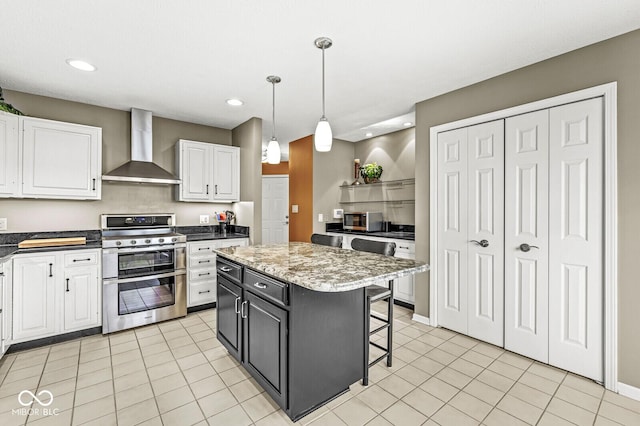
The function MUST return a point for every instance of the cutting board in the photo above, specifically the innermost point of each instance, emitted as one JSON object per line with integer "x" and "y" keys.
{"x": 52, "y": 242}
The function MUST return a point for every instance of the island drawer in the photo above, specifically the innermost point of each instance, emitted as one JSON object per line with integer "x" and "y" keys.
{"x": 266, "y": 287}
{"x": 229, "y": 269}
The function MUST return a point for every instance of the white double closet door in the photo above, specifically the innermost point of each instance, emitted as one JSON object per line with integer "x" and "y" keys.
{"x": 520, "y": 234}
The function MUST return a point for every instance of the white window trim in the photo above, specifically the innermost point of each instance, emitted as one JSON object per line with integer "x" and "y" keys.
{"x": 609, "y": 94}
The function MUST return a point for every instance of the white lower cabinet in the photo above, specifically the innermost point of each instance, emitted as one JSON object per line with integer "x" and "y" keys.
{"x": 403, "y": 288}
{"x": 5, "y": 306}
{"x": 201, "y": 269}
{"x": 55, "y": 293}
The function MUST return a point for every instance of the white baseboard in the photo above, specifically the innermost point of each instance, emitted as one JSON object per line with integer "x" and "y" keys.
{"x": 421, "y": 319}
{"x": 629, "y": 391}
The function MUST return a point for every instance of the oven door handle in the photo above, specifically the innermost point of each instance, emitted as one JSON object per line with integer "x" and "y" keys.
{"x": 147, "y": 248}
{"x": 146, "y": 277}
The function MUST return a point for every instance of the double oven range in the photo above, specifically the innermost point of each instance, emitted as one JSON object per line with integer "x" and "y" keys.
{"x": 143, "y": 271}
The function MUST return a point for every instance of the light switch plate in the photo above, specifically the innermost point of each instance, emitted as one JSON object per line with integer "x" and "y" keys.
{"x": 3, "y": 223}
{"x": 320, "y": 217}
{"x": 204, "y": 218}
{"x": 294, "y": 208}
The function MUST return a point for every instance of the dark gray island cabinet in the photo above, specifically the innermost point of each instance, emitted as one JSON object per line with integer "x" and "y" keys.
{"x": 293, "y": 316}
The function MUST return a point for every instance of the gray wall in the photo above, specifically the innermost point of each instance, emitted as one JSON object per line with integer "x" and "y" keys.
{"x": 330, "y": 170}
{"x": 616, "y": 59}
{"x": 51, "y": 215}
{"x": 248, "y": 136}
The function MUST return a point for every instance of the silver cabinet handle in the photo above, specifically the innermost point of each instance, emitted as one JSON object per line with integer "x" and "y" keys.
{"x": 526, "y": 247}
{"x": 206, "y": 291}
{"x": 242, "y": 309}
{"x": 225, "y": 269}
{"x": 236, "y": 305}
{"x": 260, "y": 285}
{"x": 482, "y": 243}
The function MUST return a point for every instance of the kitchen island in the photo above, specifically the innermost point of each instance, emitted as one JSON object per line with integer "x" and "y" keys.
{"x": 293, "y": 316}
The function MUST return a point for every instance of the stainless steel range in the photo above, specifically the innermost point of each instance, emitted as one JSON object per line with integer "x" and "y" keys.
{"x": 143, "y": 271}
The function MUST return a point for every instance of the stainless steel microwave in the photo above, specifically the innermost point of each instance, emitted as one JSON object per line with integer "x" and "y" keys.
{"x": 362, "y": 221}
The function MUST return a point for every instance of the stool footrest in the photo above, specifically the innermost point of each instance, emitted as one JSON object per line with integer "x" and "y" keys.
{"x": 382, "y": 327}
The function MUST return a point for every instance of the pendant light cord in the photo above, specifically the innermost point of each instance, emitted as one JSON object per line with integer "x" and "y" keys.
{"x": 273, "y": 119}
{"x": 323, "y": 82}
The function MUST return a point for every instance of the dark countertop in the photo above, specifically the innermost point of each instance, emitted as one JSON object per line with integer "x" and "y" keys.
{"x": 397, "y": 232}
{"x": 9, "y": 241}
{"x": 213, "y": 232}
{"x": 7, "y": 251}
{"x": 215, "y": 236}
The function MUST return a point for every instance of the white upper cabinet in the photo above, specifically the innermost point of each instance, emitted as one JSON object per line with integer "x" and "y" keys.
{"x": 9, "y": 161}
{"x": 49, "y": 159}
{"x": 226, "y": 173}
{"x": 209, "y": 172}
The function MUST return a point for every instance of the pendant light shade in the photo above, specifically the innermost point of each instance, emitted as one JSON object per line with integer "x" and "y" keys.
{"x": 273, "y": 149}
{"x": 323, "y": 137}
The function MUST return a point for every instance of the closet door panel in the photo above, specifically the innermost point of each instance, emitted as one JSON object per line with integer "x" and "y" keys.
{"x": 452, "y": 232}
{"x": 485, "y": 153}
{"x": 576, "y": 238}
{"x": 526, "y": 222}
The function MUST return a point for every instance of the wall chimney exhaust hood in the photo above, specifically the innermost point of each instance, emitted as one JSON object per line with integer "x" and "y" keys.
{"x": 141, "y": 168}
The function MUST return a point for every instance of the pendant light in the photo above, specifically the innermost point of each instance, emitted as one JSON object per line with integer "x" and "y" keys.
{"x": 273, "y": 149}
{"x": 323, "y": 137}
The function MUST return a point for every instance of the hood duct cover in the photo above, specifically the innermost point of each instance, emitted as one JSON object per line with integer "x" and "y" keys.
{"x": 141, "y": 168}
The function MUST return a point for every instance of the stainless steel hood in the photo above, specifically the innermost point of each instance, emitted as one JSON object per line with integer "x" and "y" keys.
{"x": 141, "y": 168}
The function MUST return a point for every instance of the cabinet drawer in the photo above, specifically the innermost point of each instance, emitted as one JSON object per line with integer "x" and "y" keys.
{"x": 202, "y": 293}
{"x": 266, "y": 287}
{"x": 203, "y": 247}
{"x": 229, "y": 269}
{"x": 233, "y": 242}
{"x": 202, "y": 274}
{"x": 202, "y": 261}
{"x": 81, "y": 259}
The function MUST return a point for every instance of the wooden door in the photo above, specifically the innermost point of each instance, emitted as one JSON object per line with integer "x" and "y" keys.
{"x": 61, "y": 160}
{"x": 275, "y": 209}
{"x": 265, "y": 346}
{"x": 34, "y": 297}
{"x": 8, "y": 155}
{"x": 81, "y": 298}
{"x": 485, "y": 231}
{"x": 452, "y": 230}
{"x": 229, "y": 296}
{"x": 526, "y": 222}
{"x": 195, "y": 171}
{"x": 226, "y": 173}
{"x": 576, "y": 238}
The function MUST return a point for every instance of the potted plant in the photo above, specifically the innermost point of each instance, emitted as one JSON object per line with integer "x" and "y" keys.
{"x": 371, "y": 172}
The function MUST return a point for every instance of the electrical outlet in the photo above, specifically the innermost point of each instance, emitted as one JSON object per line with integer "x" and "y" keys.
{"x": 294, "y": 208}
{"x": 337, "y": 213}
{"x": 204, "y": 218}
{"x": 3, "y": 223}
{"x": 320, "y": 217}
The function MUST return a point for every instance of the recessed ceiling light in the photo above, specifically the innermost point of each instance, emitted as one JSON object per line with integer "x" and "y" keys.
{"x": 81, "y": 65}
{"x": 407, "y": 124}
{"x": 234, "y": 102}
{"x": 368, "y": 134}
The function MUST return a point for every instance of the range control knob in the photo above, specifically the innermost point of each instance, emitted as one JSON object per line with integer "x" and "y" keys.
{"x": 133, "y": 242}
{"x": 147, "y": 241}
{"x": 174, "y": 239}
{"x": 161, "y": 240}
{"x": 118, "y": 243}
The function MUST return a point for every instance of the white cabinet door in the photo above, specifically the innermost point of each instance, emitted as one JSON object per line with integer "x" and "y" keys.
{"x": 9, "y": 155}
{"x": 275, "y": 209}
{"x": 61, "y": 160}
{"x": 195, "y": 160}
{"x": 34, "y": 297}
{"x": 576, "y": 148}
{"x": 226, "y": 173}
{"x": 526, "y": 285}
{"x": 81, "y": 298}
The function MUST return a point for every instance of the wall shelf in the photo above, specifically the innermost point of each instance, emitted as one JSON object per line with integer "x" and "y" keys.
{"x": 399, "y": 182}
{"x": 391, "y": 193}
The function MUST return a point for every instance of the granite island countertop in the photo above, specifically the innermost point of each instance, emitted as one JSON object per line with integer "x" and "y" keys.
{"x": 322, "y": 268}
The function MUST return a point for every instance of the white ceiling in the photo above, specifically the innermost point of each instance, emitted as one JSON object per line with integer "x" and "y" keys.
{"x": 182, "y": 60}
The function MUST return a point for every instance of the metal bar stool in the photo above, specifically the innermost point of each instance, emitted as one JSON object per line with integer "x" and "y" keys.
{"x": 327, "y": 240}
{"x": 374, "y": 293}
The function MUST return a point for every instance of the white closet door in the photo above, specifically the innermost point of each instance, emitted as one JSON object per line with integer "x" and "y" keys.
{"x": 526, "y": 222}
{"x": 485, "y": 232}
{"x": 576, "y": 238}
{"x": 452, "y": 232}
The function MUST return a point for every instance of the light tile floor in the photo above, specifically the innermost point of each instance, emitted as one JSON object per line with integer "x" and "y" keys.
{"x": 176, "y": 373}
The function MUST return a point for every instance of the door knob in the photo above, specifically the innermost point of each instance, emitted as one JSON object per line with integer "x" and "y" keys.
{"x": 482, "y": 243}
{"x": 526, "y": 247}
